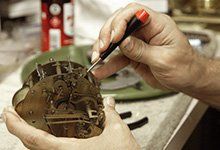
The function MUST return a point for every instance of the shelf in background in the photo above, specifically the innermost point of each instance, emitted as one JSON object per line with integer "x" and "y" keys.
{"x": 197, "y": 19}
{"x": 15, "y": 9}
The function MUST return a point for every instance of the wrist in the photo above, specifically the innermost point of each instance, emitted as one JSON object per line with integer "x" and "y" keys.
{"x": 205, "y": 74}
{"x": 201, "y": 82}
{"x": 197, "y": 74}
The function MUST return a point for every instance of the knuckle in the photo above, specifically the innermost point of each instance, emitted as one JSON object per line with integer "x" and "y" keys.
{"x": 119, "y": 25}
{"x": 168, "y": 19}
{"x": 108, "y": 111}
{"x": 11, "y": 128}
{"x": 95, "y": 45}
{"x": 166, "y": 16}
{"x": 26, "y": 145}
{"x": 115, "y": 22}
{"x": 103, "y": 31}
{"x": 45, "y": 134}
{"x": 31, "y": 140}
{"x": 139, "y": 52}
{"x": 134, "y": 49}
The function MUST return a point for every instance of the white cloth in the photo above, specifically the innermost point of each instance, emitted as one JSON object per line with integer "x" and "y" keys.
{"x": 90, "y": 15}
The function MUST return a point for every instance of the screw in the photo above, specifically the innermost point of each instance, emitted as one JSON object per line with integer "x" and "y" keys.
{"x": 31, "y": 112}
{"x": 32, "y": 91}
{"x": 51, "y": 59}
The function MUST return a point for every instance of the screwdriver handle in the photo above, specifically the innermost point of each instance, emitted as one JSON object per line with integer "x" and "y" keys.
{"x": 139, "y": 19}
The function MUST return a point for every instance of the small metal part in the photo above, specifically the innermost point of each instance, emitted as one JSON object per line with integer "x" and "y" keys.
{"x": 40, "y": 71}
{"x": 125, "y": 115}
{"x": 63, "y": 102}
{"x": 70, "y": 67}
{"x": 138, "y": 124}
{"x": 94, "y": 64}
{"x": 51, "y": 60}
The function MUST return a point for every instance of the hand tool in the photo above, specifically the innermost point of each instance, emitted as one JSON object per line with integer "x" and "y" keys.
{"x": 139, "y": 19}
{"x": 136, "y": 124}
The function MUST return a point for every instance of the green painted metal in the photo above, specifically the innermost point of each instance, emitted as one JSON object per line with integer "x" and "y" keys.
{"x": 78, "y": 54}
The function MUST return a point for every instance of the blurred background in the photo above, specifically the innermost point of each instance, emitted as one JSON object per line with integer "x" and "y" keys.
{"x": 21, "y": 33}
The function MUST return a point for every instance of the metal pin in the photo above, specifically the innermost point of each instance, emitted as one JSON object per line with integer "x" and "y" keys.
{"x": 51, "y": 59}
{"x": 70, "y": 65}
{"x": 58, "y": 67}
{"x": 40, "y": 71}
{"x": 93, "y": 65}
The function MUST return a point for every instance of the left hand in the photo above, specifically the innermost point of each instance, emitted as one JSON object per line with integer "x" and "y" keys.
{"x": 115, "y": 136}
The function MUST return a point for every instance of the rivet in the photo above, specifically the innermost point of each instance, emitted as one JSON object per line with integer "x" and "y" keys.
{"x": 31, "y": 112}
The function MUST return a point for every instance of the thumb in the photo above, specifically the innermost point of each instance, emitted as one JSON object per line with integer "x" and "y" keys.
{"x": 109, "y": 103}
{"x": 111, "y": 115}
{"x": 135, "y": 49}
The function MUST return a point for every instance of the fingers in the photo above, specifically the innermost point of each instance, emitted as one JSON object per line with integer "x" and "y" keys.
{"x": 31, "y": 137}
{"x": 114, "y": 28}
{"x": 109, "y": 103}
{"x": 113, "y": 65}
{"x": 136, "y": 50}
{"x": 155, "y": 31}
{"x": 119, "y": 23}
{"x": 105, "y": 33}
{"x": 95, "y": 53}
{"x": 11, "y": 110}
{"x": 112, "y": 117}
{"x": 145, "y": 72}
{"x": 114, "y": 125}
{"x": 104, "y": 39}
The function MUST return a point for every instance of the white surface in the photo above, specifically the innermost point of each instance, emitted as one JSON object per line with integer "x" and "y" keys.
{"x": 8, "y": 87}
{"x": 186, "y": 126}
{"x": 90, "y": 15}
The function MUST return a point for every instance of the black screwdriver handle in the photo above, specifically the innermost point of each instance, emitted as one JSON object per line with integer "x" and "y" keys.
{"x": 132, "y": 26}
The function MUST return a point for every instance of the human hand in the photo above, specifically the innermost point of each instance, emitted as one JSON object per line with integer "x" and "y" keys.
{"x": 115, "y": 136}
{"x": 158, "y": 51}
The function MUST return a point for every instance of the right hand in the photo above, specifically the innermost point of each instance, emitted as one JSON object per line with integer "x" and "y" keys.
{"x": 158, "y": 51}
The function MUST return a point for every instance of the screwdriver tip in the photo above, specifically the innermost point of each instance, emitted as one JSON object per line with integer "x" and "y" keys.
{"x": 94, "y": 64}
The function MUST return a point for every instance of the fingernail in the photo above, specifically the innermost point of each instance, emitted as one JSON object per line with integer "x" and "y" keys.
{"x": 110, "y": 101}
{"x": 127, "y": 43}
{"x": 101, "y": 44}
{"x": 112, "y": 35}
{"x": 95, "y": 56}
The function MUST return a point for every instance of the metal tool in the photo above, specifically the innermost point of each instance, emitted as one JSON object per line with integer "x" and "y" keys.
{"x": 139, "y": 19}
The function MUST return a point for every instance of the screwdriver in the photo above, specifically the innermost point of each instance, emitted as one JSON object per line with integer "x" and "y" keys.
{"x": 139, "y": 19}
